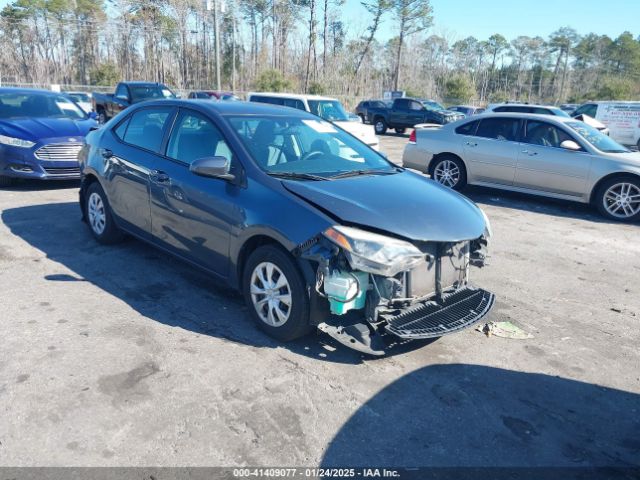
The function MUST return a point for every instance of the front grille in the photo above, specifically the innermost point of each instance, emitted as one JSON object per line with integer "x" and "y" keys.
{"x": 73, "y": 171}
{"x": 59, "y": 152}
{"x": 457, "y": 310}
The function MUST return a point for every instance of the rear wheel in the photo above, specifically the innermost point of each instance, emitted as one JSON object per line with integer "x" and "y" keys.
{"x": 449, "y": 171}
{"x": 380, "y": 126}
{"x": 619, "y": 199}
{"x": 5, "y": 181}
{"x": 275, "y": 294}
{"x": 98, "y": 215}
{"x": 400, "y": 131}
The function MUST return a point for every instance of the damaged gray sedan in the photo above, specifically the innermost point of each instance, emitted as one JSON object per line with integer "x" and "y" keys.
{"x": 315, "y": 228}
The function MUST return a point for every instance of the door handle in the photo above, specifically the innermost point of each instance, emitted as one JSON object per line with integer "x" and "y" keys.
{"x": 531, "y": 154}
{"x": 471, "y": 144}
{"x": 159, "y": 176}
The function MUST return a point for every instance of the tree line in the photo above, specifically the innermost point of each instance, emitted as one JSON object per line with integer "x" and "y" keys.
{"x": 306, "y": 46}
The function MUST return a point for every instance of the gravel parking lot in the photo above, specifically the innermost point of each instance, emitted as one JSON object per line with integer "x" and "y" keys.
{"x": 121, "y": 355}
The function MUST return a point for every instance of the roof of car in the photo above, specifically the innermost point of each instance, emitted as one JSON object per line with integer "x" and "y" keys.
{"x": 533, "y": 105}
{"x": 298, "y": 96}
{"x": 142, "y": 83}
{"x": 535, "y": 116}
{"x": 27, "y": 91}
{"x": 233, "y": 108}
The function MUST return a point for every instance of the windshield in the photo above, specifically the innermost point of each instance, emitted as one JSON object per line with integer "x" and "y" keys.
{"x": 139, "y": 92}
{"x": 429, "y": 105}
{"x": 330, "y": 110}
{"x": 596, "y": 138}
{"x": 560, "y": 113}
{"x": 39, "y": 105}
{"x": 79, "y": 97}
{"x": 293, "y": 145}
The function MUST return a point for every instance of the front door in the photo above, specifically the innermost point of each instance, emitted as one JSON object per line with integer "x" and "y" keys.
{"x": 192, "y": 215}
{"x": 543, "y": 165}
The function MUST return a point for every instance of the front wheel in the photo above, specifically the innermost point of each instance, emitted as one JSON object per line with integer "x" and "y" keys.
{"x": 449, "y": 171}
{"x": 275, "y": 294}
{"x": 98, "y": 215}
{"x": 380, "y": 126}
{"x": 619, "y": 199}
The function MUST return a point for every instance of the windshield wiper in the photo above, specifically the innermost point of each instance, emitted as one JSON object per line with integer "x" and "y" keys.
{"x": 355, "y": 173}
{"x": 297, "y": 176}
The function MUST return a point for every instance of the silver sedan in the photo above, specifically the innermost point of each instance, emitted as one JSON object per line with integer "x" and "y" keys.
{"x": 539, "y": 154}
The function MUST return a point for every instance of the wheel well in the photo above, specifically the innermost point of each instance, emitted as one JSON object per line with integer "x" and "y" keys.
{"x": 442, "y": 155}
{"x": 248, "y": 247}
{"x": 597, "y": 186}
{"x": 87, "y": 180}
{"x": 378, "y": 117}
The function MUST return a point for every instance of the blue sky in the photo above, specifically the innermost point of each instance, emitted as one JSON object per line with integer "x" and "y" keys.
{"x": 482, "y": 18}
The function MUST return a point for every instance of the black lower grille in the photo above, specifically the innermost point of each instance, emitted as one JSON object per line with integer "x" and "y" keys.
{"x": 75, "y": 171}
{"x": 457, "y": 310}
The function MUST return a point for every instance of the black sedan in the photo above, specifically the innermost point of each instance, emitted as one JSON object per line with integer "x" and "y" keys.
{"x": 306, "y": 220}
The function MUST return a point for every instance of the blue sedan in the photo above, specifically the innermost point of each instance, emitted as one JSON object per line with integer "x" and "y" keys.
{"x": 41, "y": 133}
{"x": 302, "y": 217}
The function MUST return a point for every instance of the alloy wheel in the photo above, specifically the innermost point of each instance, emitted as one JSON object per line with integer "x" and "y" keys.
{"x": 97, "y": 214}
{"x": 270, "y": 294}
{"x": 447, "y": 173}
{"x": 622, "y": 200}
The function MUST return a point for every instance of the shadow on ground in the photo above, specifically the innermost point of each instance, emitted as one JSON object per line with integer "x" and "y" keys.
{"x": 536, "y": 204}
{"x": 155, "y": 284}
{"x": 472, "y": 415}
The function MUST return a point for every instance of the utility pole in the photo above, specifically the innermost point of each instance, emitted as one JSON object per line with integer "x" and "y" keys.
{"x": 212, "y": 6}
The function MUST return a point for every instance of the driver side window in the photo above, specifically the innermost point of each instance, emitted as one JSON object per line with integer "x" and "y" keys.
{"x": 194, "y": 136}
{"x": 545, "y": 134}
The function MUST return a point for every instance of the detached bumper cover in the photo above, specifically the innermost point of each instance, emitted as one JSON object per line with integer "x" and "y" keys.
{"x": 457, "y": 310}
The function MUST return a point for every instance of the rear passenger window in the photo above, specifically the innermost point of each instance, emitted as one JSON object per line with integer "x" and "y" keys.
{"x": 467, "y": 128}
{"x": 294, "y": 103}
{"x": 195, "y": 136}
{"x": 499, "y": 128}
{"x": 146, "y": 128}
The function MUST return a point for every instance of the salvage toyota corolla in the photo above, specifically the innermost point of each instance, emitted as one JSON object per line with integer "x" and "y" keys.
{"x": 315, "y": 228}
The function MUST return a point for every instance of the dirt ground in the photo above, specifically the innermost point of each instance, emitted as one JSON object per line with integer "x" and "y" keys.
{"x": 114, "y": 356}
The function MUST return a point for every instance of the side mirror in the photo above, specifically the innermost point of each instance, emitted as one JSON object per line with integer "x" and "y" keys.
{"x": 213, "y": 167}
{"x": 570, "y": 145}
{"x": 93, "y": 115}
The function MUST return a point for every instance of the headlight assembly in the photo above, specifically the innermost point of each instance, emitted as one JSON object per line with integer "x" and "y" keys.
{"x": 16, "y": 142}
{"x": 373, "y": 253}
{"x": 487, "y": 225}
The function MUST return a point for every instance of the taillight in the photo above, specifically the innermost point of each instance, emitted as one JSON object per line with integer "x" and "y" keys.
{"x": 412, "y": 137}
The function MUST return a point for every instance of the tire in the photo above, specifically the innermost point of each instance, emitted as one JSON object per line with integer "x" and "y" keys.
{"x": 102, "y": 116}
{"x": 380, "y": 126}
{"x": 5, "y": 181}
{"x": 99, "y": 217}
{"x": 400, "y": 131}
{"x": 296, "y": 323}
{"x": 456, "y": 178}
{"x": 619, "y": 199}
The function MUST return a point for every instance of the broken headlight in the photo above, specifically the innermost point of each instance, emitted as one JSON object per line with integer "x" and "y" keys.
{"x": 373, "y": 253}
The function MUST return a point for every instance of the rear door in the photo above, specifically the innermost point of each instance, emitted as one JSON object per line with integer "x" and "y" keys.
{"x": 129, "y": 162}
{"x": 543, "y": 165}
{"x": 192, "y": 215}
{"x": 492, "y": 153}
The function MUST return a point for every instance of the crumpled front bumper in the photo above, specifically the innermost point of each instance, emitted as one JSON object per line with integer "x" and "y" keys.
{"x": 455, "y": 311}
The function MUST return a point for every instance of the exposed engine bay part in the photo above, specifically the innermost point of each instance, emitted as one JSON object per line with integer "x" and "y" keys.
{"x": 358, "y": 337}
{"x": 429, "y": 296}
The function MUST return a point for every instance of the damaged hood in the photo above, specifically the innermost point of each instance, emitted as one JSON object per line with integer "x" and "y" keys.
{"x": 405, "y": 204}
